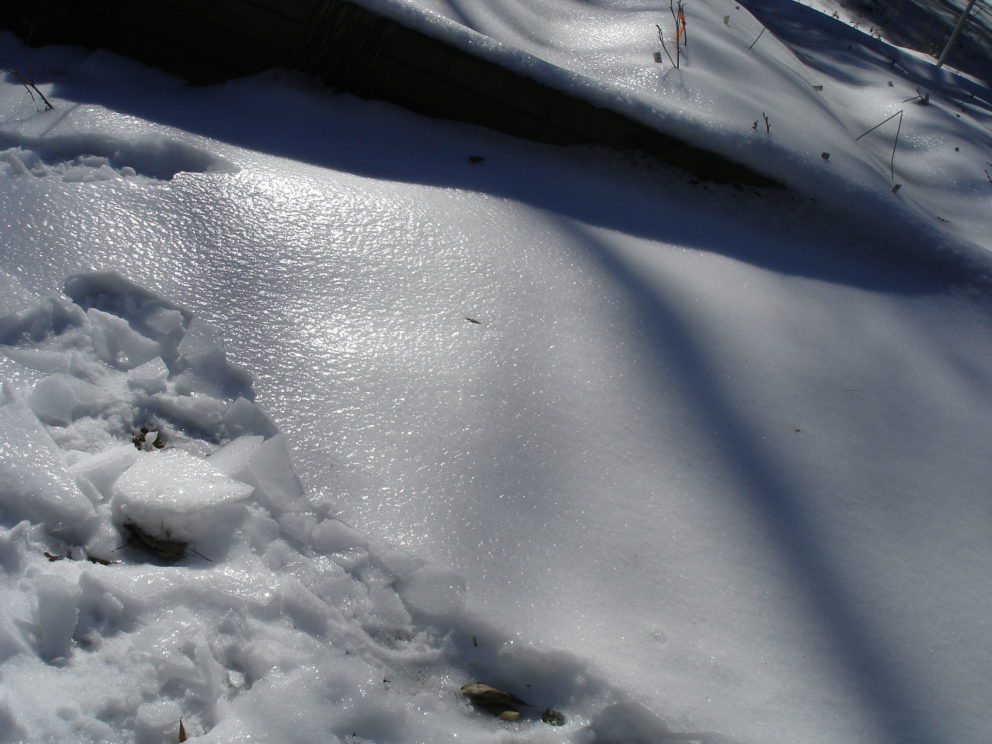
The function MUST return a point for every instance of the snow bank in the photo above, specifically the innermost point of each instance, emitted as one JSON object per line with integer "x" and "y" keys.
{"x": 771, "y": 84}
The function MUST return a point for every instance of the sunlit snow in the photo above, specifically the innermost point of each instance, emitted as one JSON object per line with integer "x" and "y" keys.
{"x": 315, "y": 410}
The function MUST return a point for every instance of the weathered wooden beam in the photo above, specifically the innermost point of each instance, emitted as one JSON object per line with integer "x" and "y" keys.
{"x": 351, "y": 48}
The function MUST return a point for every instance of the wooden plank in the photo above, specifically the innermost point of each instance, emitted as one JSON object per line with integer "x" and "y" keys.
{"x": 204, "y": 51}
{"x": 418, "y": 91}
{"x": 295, "y": 10}
{"x": 357, "y": 50}
{"x": 242, "y": 19}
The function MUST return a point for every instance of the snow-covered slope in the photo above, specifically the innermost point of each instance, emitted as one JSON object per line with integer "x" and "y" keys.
{"x": 776, "y": 85}
{"x": 682, "y": 462}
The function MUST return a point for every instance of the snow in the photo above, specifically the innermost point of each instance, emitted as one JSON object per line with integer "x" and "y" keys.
{"x": 820, "y": 83}
{"x": 682, "y": 462}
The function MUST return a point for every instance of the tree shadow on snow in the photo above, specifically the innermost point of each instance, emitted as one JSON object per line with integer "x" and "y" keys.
{"x": 275, "y": 115}
{"x": 900, "y": 708}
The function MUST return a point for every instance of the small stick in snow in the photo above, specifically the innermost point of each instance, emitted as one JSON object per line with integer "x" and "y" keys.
{"x": 661, "y": 38}
{"x": 920, "y": 99}
{"x": 892, "y": 160}
{"x": 29, "y": 86}
{"x": 756, "y": 39}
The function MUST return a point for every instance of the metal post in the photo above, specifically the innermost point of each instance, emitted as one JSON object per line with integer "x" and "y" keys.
{"x": 955, "y": 33}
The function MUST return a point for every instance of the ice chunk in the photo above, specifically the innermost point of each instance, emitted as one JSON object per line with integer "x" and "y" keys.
{"x": 165, "y": 322}
{"x": 303, "y": 607}
{"x": 118, "y": 344}
{"x": 10, "y": 641}
{"x": 149, "y": 377}
{"x": 150, "y": 314}
{"x": 201, "y": 339}
{"x": 104, "y": 468}
{"x": 61, "y": 399}
{"x": 14, "y": 301}
{"x": 157, "y": 721}
{"x": 202, "y": 352}
{"x": 55, "y": 618}
{"x": 387, "y": 607}
{"x": 199, "y": 411}
{"x": 234, "y": 457}
{"x": 174, "y": 495}
{"x": 39, "y": 321}
{"x": 333, "y": 536}
{"x": 34, "y": 482}
{"x": 244, "y": 417}
{"x": 103, "y": 606}
{"x": 271, "y": 472}
{"x": 433, "y": 590}
{"x": 50, "y": 362}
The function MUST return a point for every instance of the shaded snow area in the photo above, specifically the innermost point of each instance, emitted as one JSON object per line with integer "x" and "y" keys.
{"x": 773, "y": 84}
{"x": 315, "y": 411}
{"x": 924, "y": 26}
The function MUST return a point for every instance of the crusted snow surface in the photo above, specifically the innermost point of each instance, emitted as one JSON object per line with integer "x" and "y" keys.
{"x": 774, "y": 84}
{"x": 683, "y": 462}
{"x": 271, "y": 619}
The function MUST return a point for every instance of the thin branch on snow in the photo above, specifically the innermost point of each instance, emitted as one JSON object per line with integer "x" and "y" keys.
{"x": 29, "y": 86}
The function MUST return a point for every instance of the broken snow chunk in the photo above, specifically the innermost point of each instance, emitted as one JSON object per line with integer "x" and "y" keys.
{"x": 158, "y": 721}
{"x": 271, "y": 472}
{"x": 61, "y": 399}
{"x": 396, "y": 562}
{"x": 42, "y": 360}
{"x": 39, "y": 321}
{"x": 11, "y": 643}
{"x": 15, "y": 303}
{"x": 165, "y": 322}
{"x": 244, "y": 417}
{"x": 202, "y": 352}
{"x": 333, "y": 536}
{"x": 201, "y": 339}
{"x": 148, "y": 313}
{"x": 150, "y": 377}
{"x": 433, "y": 590}
{"x": 118, "y": 344}
{"x": 55, "y": 617}
{"x": 198, "y": 411}
{"x": 387, "y": 608}
{"x": 34, "y": 482}
{"x": 303, "y": 607}
{"x": 172, "y": 495}
{"x": 233, "y": 458}
{"x": 104, "y": 468}
{"x": 14, "y": 297}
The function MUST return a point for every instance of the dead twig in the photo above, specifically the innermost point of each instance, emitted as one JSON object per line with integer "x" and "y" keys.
{"x": 29, "y": 86}
{"x": 756, "y": 39}
{"x": 661, "y": 38}
{"x": 895, "y": 144}
{"x": 681, "y": 39}
{"x": 920, "y": 99}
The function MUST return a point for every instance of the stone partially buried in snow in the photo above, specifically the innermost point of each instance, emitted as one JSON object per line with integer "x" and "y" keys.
{"x": 173, "y": 495}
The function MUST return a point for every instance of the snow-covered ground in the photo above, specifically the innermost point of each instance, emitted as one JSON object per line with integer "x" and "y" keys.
{"x": 682, "y": 462}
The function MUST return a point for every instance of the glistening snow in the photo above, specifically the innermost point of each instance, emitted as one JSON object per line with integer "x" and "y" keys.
{"x": 710, "y": 466}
